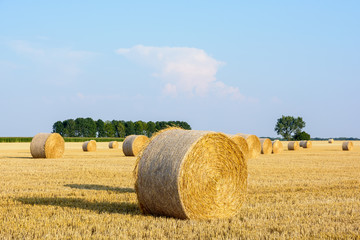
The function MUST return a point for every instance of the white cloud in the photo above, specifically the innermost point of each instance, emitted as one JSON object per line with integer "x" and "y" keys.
{"x": 184, "y": 70}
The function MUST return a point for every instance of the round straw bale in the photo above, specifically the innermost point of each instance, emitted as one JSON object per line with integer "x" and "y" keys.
{"x": 89, "y": 146}
{"x": 347, "y": 146}
{"x": 293, "y": 145}
{"x": 242, "y": 143}
{"x": 47, "y": 145}
{"x": 306, "y": 144}
{"x": 266, "y": 145}
{"x": 331, "y": 140}
{"x": 277, "y": 147}
{"x": 253, "y": 144}
{"x": 113, "y": 144}
{"x": 133, "y": 144}
{"x": 191, "y": 174}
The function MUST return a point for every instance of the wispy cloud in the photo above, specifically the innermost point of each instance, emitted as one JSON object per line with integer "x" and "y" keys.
{"x": 56, "y": 65}
{"x": 189, "y": 71}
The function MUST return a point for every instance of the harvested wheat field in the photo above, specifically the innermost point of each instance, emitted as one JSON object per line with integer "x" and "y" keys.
{"x": 309, "y": 193}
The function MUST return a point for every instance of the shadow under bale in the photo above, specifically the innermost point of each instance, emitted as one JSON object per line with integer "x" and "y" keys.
{"x": 99, "y": 207}
{"x": 100, "y": 187}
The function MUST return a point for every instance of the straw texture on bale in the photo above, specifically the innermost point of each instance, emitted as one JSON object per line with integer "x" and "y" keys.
{"x": 133, "y": 144}
{"x": 277, "y": 147}
{"x": 47, "y": 145}
{"x": 266, "y": 146}
{"x": 89, "y": 146}
{"x": 347, "y": 146}
{"x": 306, "y": 144}
{"x": 113, "y": 144}
{"x": 331, "y": 140}
{"x": 253, "y": 144}
{"x": 242, "y": 144}
{"x": 293, "y": 145}
{"x": 191, "y": 174}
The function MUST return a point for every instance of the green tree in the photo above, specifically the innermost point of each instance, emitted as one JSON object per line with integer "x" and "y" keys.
{"x": 120, "y": 128}
{"x": 58, "y": 127}
{"x": 150, "y": 129}
{"x": 80, "y": 127}
{"x": 100, "y": 127}
{"x": 286, "y": 126}
{"x": 109, "y": 129}
{"x": 69, "y": 128}
{"x": 184, "y": 125}
{"x": 129, "y": 128}
{"x": 159, "y": 125}
{"x": 301, "y": 136}
{"x": 90, "y": 128}
{"x": 139, "y": 128}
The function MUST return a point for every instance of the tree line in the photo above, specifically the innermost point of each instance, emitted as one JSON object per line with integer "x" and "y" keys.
{"x": 87, "y": 127}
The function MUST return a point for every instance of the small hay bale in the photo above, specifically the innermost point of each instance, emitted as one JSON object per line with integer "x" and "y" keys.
{"x": 347, "y": 146}
{"x": 89, "y": 146}
{"x": 242, "y": 144}
{"x": 191, "y": 174}
{"x": 277, "y": 147}
{"x": 113, "y": 144}
{"x": 253, "y": 144}
{"x": 293, "y": 145}
{"x": 47, "y": 145}
{"x": 331, "y": 140}
{"x": 266, "y": 145}
{"x": 306, "y": 144}
{"x": 133, "y": 144}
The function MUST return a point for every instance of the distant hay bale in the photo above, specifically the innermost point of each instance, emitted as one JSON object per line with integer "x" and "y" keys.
{"x": 306, "y": 144}
{"x": 347, "y": 146}
{"x": 277, "y": 147}
{"x": 190, "y": 174}
{"x": 242, "y": 143}
{"x": 293, "y": 145}
{"x": 113, "y": 144}
{"x": 266, "y": 145}
{"x": 253, "y": 144}
{"x": 89, "y": 146}
{"x": 331, "y": 140}
{"x": 47, "y": 145}
{"x": 133, "y": 144}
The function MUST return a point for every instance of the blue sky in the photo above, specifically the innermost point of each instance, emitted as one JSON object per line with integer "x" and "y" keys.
{"x": 229, "y": 66}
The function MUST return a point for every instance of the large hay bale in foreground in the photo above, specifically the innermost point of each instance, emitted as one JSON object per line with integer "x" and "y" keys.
{"x": 47, "y": 145}
{"x": 89, "y": 146}
{"x": 253, "y": 144}
{"x": 241, "y": 143}
{"x": 266, "y": 145}
{"x": 113, "y": 144}
{"x": 191, "y": 174}
{"x": 293, "y": 145}
{"x": 306, "y": 144}
{"x": 347, "y": 146}
{"x": 133, "y": 144}
{"x": 277, "y": 147}
{"x": 331, "y": 140}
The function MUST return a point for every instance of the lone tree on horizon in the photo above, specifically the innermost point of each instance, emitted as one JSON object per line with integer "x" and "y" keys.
{"x": 287, "y": 126}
